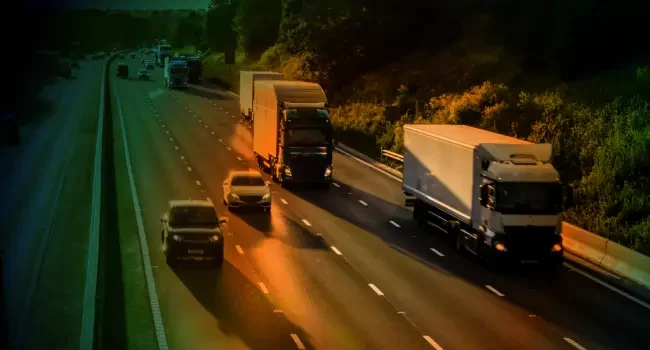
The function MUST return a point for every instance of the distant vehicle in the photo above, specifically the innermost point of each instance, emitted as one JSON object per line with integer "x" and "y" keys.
{"x": 495, "y": 196}
{"x": 191, "y": 230}
{"x": 162, "y": 51}
{"x": 122, "y": 70}
{"x": 75, "y": 64}
{"x": 149, "y": 65}
{"x": 144, "y": 74}
{"x": 195, "y": 67}
{"x": 247, "y": 81}
{"x": 292, "y": 133}
{"x": 246, "y": 188}
{"x": 175, "y": 74}
{"x": 9, "y": 130}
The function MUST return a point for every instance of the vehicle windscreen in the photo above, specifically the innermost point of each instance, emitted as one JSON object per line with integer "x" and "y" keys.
{"x": 178, "y": 70}
{"x": 193, "y": 216}
{"x": 296, "y": 137}
{"x": 529, "y": 198}
{"x": 247, "y": 180}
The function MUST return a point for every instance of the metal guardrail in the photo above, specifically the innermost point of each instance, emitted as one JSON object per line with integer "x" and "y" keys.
{"x": 392, "y": 155}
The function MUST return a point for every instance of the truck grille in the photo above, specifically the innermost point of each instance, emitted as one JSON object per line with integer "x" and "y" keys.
{"x": 308, "y": 169}
{"x": 250, "y": 199}
{"x": 529, "y": 241}
{"x": 195, "y": 238}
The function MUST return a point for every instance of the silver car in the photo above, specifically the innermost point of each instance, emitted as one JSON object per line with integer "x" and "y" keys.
{"x": 246, "y": 189}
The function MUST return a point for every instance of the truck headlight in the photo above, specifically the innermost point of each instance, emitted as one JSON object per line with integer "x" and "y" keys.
{"x": 328, "y": 172}
{"x": 233, "y": 196}
{"x": 214, "y": 238}
{"x": 266, "y": 197}
{"x": 177, "y": 238}
{"x": 500, "y": 247}
{"x": 287, "y": 171}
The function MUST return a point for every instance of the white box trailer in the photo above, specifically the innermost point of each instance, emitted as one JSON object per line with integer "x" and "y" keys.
{"x": 247, "y": 81}
{"x": 485, "y": 189}
{"x": 292, "y": 133}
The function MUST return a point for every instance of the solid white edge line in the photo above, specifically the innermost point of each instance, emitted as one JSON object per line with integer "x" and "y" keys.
{"x": 87, "y": 336}
{"x": 432, "y": 342}
{"x": 370, "y": 165}
{"x": 436, "y": 251}
{"x": 298, "y": 342}
{"x": 306, "y": 222}
{"x": 239, "y": 250}
{"x": 494, "y": 290}
{"x": 379, "y": 292}
{"x": 263, "y": 288}
{"x": 574, "y": 343}
{"x": 148, "y": 270}
{"x": 394, "y": 223}
{"x": 364, "y": 203}
{"x": 283, "y": 201}
{"x": 335, "y": 250}
{"x": 607, "y": 285}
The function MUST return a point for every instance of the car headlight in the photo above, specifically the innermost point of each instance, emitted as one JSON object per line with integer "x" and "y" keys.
{"x": 328, "y": 172}
{"x": 557, "y": 247}
{"x": 177, "y": 238}
{"x": 215, "y": 238}
{"x": 287, "y": 171}
{"x": 233, "y": 196}
{"x": 266, "y": 197}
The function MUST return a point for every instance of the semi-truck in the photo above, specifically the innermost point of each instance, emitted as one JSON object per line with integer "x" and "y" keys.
{"x": 161, "y": 52}
{"x": 292, "y": 133}
{"x": 175, "y": 73}
{"x": 495, "y": 196}
{"x": 247, "y": 81}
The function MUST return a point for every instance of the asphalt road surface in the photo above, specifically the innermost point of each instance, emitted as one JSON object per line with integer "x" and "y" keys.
{"x": 45, "y": 212}
{"x": 337, "y": 269}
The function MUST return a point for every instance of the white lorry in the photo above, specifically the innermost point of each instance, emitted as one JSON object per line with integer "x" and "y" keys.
{"x": 496, "y": 196}
{"x": 247, "y": 81}
{"x": 175, "y": 73}
{"x": 292, "y": 133}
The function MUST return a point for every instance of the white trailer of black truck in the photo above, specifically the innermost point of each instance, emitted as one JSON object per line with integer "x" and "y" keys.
{"x": 247, "y": 81}
{"x": 495, "y": 196}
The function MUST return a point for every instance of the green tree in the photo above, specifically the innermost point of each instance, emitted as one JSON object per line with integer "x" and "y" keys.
{"x": 257, "y": 25}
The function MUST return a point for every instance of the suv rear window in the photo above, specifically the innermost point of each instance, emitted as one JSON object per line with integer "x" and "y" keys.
{"x": 193, "y": 216}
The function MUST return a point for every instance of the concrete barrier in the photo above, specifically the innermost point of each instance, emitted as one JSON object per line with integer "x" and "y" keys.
{"x": 627, "y": 262}
{"x": 583, "y": 243}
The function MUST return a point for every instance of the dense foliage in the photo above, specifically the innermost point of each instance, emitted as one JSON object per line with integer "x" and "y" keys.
{"x": 545, "y": 71}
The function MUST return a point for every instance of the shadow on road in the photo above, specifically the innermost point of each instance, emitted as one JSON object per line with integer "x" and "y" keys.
{"x": 200, "y": 91}
{"x": 239, "y": 307}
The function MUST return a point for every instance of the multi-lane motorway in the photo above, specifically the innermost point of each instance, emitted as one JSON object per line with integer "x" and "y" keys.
{"x": 45, "y": 212}
{"x": 340, "y": 269}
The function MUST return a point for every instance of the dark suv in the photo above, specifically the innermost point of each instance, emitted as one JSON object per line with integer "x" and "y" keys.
{"x": 191, "y": 230}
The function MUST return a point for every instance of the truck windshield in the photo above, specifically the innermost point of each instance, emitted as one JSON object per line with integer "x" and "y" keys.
{"x": 305, "y": 137}
{"x": 529, "y": 198}
{"x": 193, "y": 216}
{"x": 178, "y": 70}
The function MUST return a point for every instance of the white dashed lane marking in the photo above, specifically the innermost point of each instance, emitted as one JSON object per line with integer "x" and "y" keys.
{"x": 298, "y": 342}
{"x": 239, "y": 250}
{"x": 436, "y": 251}
{"x": 230, "y": 149}
{"x": 198, "y": 182}
{"x": 283, "y": 201}
{"x": 239, "y": 158}
{"x": 189, "y": 169}
{"x": 574, "y": 343}
{"x": 364, "y": 203}
{"x": 394, "y": 223}
{"x": 335, "y": 184}
{"x": 307, "y": 223}
{"x": 432, "y": 342}
{"x": 494, "y": 290}
{"x": 335, "y": 250}
{"x": 263, "y": 288}
{"x": 379, "y": 292}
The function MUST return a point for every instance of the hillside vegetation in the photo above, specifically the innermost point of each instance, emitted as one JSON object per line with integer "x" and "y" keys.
{"x": 546, "y": 71}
